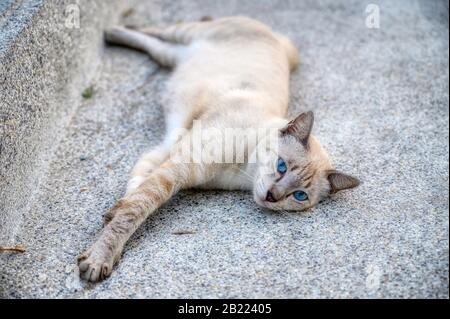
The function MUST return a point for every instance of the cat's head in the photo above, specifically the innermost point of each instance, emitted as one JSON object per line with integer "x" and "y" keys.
{"x": 300, "y": 173}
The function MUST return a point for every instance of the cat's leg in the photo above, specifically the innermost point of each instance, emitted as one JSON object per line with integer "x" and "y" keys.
{"x": 166, "y": 54}
{"x": 146, "y": 164}
{"x": 176, "y": 128}
{"x": 97, "y": 262}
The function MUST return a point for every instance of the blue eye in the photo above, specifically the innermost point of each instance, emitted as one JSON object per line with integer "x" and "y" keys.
{"x": 300, "y": 196}
{"x": 281, "y": 166}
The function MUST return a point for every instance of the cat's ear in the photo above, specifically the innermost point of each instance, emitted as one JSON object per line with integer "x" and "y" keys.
{"x": 300, "y": 127}
{"x": 340, "y": 181}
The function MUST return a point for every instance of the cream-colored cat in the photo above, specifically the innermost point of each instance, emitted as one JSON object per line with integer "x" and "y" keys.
{"x": 228, "y": 73}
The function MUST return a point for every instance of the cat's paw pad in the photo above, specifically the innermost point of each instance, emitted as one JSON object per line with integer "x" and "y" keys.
{"x": 94, "y": 267}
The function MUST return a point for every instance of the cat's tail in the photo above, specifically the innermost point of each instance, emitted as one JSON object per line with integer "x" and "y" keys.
{"x": 180, "y": 33}
{"x": 166, "y": 54}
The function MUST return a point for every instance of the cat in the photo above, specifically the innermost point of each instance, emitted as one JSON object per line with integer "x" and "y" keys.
{"x": 230, "y": 72}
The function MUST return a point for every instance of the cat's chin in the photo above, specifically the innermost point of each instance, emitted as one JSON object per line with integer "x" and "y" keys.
{"x": 257, "y": 195}
{"x": 267, "y": 207}
{"x": 262, "y": 203}
{"x": 259, "y": 201}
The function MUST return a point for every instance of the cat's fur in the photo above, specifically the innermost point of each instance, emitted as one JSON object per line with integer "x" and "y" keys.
{"x": 229, "y": 73}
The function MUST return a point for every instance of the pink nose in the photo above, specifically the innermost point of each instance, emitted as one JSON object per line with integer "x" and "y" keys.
{"x": 270, "y": 197}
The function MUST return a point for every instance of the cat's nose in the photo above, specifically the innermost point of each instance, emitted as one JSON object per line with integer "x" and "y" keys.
{"x": 270, "y": 197}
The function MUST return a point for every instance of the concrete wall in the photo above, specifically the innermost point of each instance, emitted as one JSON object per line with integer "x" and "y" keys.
{"x": 46, "y": 61}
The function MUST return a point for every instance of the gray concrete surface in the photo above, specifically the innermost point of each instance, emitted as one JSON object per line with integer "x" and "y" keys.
{"x": 381, "y": 101}
{"x": 44, "y": 60}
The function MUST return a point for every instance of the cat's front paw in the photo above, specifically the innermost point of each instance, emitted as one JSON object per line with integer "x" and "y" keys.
{"x": 95, "y": 265}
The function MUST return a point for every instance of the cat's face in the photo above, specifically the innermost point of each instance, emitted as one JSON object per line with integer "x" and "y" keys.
{"x": 300, "y": 174}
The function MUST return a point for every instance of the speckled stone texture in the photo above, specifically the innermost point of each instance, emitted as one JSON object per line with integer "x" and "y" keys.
{"x": 381, "y": 102}
{"x": 45, "y": 61}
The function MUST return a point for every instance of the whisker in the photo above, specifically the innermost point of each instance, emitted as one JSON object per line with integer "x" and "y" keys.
{"x": 250, "y": 178}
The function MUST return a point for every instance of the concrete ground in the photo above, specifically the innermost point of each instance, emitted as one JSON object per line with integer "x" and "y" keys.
{"x": 381, "y": 102}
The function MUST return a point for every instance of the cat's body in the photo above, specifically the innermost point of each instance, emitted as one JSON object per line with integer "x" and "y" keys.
{"x": 229, "y": 73}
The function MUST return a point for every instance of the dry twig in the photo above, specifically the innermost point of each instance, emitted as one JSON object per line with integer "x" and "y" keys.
{"x": 15, "y": 249}
{"x": 184, "y": 232}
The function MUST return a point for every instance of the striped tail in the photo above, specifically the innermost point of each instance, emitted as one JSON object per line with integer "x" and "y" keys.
{"x": 166, "y": 54}
{"x": 181, "y": 33}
